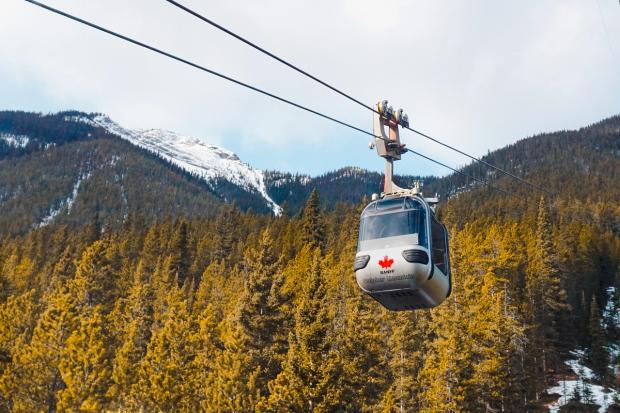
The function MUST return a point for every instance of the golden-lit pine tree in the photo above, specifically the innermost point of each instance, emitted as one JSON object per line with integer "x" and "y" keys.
{"x": 211, "y": 288}
{"x": 224, "y": 236}
{"x": 206, "y": 340}
{"x": 313, "y": 225}
{"x": 231, "y": 383}
{"x": 167, "y": 375}
{"x": 545, "y": 293}
{"x": 495, "y": 337}
{"x": 134, "y": 338}
{"x": 407, "y": 346}
{"x": 85, "y": 366}
{"x": 62, "y": 271}
{"x": 260, "y": 314}
{"x": 94, "y": 277}
{"x": 308, "y": 379}
{"x": 444, "y": 364}
{"x": 17, "y": 271}
{"x": 151, "y": 249}
{"x": 178, "y": 262}
{"x": 295, "y": 272}
{"x": 17, "y": 317}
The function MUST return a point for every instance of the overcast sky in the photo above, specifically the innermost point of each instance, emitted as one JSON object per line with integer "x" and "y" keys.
{"x": 477, "y": 74}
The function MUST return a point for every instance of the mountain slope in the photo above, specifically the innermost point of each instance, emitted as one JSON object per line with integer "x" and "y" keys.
{"x": 209, "y": 162}
{"x": 56, "y": 169}
{"x": 102, "y": 177}
{"x": 70, "y": 166}
{"x": 348, "y": 184}
{"x": 564, "y": 162}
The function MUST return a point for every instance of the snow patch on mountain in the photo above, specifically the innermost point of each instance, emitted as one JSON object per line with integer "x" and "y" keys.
{"x": 587, "y": 391}
{"x": 206, "y": 161}
{"x": 65, "y": 203}
{"x": 16, "y": 141}
{"x": 582, "y": 385}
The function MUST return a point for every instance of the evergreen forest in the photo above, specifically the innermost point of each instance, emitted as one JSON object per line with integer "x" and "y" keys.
{"x": 248, "y": 312}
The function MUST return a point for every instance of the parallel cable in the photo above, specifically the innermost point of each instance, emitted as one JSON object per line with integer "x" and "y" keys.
{"x": 246, "y": 85}
{"x": 612, "y": 50}
{"x": 344, "y": 94}
{"x": 195, "y": 65}
{"x": 482, "y": 181}
{"x": 482, "y": 162}
{"x": 267, "y": 52}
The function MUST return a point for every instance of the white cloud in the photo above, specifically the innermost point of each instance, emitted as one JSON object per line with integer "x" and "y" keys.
{"x": 477, "y": 74}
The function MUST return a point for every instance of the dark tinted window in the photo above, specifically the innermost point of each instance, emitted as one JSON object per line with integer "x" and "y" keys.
{"x": 440, "y": 249}
{"x": 393, "y": 224}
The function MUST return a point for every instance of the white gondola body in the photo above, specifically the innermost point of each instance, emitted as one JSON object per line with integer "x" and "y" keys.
{"x": 395, "y": 263}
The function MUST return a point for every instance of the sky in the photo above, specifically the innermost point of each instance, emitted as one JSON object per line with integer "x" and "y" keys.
{"x": 477, "y": 75}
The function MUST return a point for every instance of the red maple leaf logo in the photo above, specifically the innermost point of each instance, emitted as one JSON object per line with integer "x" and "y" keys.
{"x": 386, "y": 262}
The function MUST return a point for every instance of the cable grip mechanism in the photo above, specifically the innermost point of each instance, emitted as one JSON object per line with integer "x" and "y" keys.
{"x": 388, "y": 145}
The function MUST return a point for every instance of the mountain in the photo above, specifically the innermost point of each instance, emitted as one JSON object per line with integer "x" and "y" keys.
{"x": 348, "y": 184}
{"x": 564, "y": 162}
{"x": 70, "y": 166}
{"x": 208, "y": 162}
{"x": 66, "y": 168}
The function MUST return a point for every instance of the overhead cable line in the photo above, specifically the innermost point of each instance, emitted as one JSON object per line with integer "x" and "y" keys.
{"x": 240, "y": 83}
{"x": 194, "y": 65}
{"x": 267, "y": 52}
{"x": 518, "y": 178}
{"x": 612, "y": 50}
{"x": 346, "y": 95}
{"x": 482, "y": 181}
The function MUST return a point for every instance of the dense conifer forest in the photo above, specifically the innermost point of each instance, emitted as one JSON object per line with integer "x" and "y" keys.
{"x": 249, "y": 312}
{"x": 237, "y": 311}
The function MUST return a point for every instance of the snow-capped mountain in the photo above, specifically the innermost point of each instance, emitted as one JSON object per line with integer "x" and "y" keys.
{"x": 194, "y": 155}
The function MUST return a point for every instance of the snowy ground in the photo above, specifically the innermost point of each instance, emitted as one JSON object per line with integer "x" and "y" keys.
{"x": 17, "y": 141}
{"x": 604, "y": 397}
{"x": 566, "y": 388}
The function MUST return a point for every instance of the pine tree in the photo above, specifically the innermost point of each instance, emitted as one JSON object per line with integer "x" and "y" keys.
{"x": 151, "y": 249}
{"x": 599, "y": 356}
{"x": 307, "y": 382}
{"x": 167, "y": 375}
{"x": 206, "y": 339}
{"x": 179, "y": 259}
{"x": 588, "y": 396}
{"x": 546, "y": 295}
{"x": 231, "y": 383}
{"x": 17, "y": 316}
{"x": 362, "y": 369}
{"x": 407, "y": 345}
{"x": 225, "y": 232}
{"x": 208, "y": 291}
{"x": 94, "y": 278}
{"x": 313, "y": 226}
{"x": 62, "y": 271}
{"x": 261, "y": 317}
{"x": 135, "y": 337}
{"x": 85, "y": 366}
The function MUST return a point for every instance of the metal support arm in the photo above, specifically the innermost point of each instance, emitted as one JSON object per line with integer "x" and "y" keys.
{"x": 389, "y": 146}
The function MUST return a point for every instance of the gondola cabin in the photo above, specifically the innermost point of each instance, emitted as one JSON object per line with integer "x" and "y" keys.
{"x": 402, "y": 257}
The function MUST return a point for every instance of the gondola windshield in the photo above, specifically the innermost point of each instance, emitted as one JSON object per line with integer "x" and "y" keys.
{"x": 391, "y": 218}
